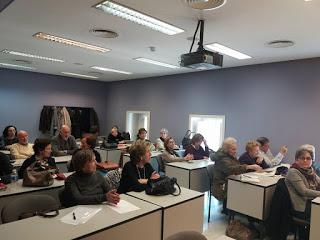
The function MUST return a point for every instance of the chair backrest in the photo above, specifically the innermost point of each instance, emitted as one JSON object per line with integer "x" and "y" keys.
{"x": 187, "y": 235}
{"x": 161, "y": 164}
{"x": 25, "y": 205}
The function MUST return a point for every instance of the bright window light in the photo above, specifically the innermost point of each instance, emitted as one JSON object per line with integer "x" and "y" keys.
{"x": 146, "y": 60}
{"x": 212, "y": 127}
{"x": 69, "y": 42}
{"x": 110, "y": 70}
{"x": 132, "y": 15}
{"x": 78, "y": 75}
{"x": 15, "y": 66}
{"x": 31, "y": 56}
{"x": 227, "y": 51}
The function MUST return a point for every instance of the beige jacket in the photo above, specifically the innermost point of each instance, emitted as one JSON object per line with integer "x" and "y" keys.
{"x": 19, "y": 151}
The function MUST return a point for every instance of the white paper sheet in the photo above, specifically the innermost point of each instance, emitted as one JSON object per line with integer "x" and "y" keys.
{"x": 249, "y": 178}
{"x": 123, "y": 207}
{"x": 82, "y": 215}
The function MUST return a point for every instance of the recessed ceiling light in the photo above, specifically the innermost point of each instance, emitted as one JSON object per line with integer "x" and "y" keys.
{"x": 280, "y": 43}
{"x": 146, "y": 60}
{"x": 78, "y": 75}
{"x": 15, "y": 66}
{"x": 205, "y": 4}
{"x": 103, "y": 33}
{"x": 132, "y": 15}
{"x": 227, "y": 51}
{"x": 110, "y": 70}
{"x": 31, "y": 56}
{"x": 69, "y": 42}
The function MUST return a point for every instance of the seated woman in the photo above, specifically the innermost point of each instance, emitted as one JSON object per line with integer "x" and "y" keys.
{"x": 137, "y": 172}
{"x": 87, "y": 142}
{"x": 142, "y": 137}
{"x": 251, "y": 156}
{"x": 170, "y": 155}
{"x": 226, "y": 164}
{"x": 85, "y": 185}
{"x": 195, "y": 148}
{"x": 115, "y": 137}
{"x": 42, "y": 155}
{"x": 9, "y": 137}
{"x": 160, "y": 141}
{"x": 5, "y": 168}
{"x": 303, "y": 183}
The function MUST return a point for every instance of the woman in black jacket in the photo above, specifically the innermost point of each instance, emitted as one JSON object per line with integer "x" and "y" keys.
{"x": 9, "y": 137}
{"x": 42, "y": 155}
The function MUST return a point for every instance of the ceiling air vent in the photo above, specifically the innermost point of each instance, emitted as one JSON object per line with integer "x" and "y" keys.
{"x": 280, "y": 44}
{"x": 20, "y": 61}
{"x": 103, "y": 33}
{"x": 205, "y": 4}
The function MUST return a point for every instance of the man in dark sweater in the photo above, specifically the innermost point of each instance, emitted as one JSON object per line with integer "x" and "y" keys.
{"x": 86, "y": 186}
{"x": 251, "y": 156}
{"x": 63, "y": 144}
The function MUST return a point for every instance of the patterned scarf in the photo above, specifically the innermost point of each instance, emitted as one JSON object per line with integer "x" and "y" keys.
{"x": 310, "y": 175}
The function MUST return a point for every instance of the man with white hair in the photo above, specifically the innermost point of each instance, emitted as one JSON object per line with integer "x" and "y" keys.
{"x": 226, "y": 164}
{"x": 63, "y": 144}
{"x": 22, "y": 149}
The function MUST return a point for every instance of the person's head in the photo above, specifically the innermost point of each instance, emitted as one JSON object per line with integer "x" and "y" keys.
{"x": 114, "y": 131}
{"x": 264, "y": 144}
{"x": 65, "y": 132}
{"x": 197, "y": 139}
{"x": 88, "y": 142}
{"x": 229, "y": 146}
{"x": 42, "y": 147}
{"x": 304, "y": 158}
{"x": 252, "y": 148}
{"x": 10, "y": 132}
{"x": 309, "y": 147}
{"x": 23, "y": 137}
{"x": 169, "y": 144}
{"x": 140, "y": 153}
{"x": 164, "y": 133}
{"x": 142, "y": 134}
{"x": 84, "y": 161}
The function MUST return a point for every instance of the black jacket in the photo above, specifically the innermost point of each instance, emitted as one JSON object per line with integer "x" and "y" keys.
{"x": 113, "y": 139}
{"x": 45, "y": 119}
{"x": 5, "y": 142}
{"x": 5, "y": 168}
{"x": 51, "y": 162}
{"x": 246, "y": 159}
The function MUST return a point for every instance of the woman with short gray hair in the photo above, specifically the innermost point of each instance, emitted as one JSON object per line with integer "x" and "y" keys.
{"x": 160, "y": 141}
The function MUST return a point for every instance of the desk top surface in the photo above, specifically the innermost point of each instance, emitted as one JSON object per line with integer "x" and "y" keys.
{"x": 316, "y": 201}
{"x": 264, "y": 181}
{"x": 61, "y": 159}
{"x": 191, "y": 165}
{"x": 53, "y": 228}
{"x": 7, "y": 152}
{"x": 168, "y": 200}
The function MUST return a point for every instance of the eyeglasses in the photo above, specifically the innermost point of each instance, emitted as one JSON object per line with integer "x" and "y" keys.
{"x": 305, "y": 158}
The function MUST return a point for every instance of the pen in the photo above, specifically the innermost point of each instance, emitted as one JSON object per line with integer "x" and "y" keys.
{"x": 74, "y": 216}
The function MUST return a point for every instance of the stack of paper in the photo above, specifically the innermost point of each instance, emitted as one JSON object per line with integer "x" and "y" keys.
{"x": 123, "y": 207}
{"x": 249, "y": 178}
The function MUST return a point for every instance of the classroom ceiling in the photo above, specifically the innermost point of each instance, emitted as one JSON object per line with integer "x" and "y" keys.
{"x": 245, "y": 25}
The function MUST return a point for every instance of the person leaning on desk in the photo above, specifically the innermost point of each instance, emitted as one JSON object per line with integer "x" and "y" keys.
{"x": 85, "y": 185}
{"x": 226, "y": 164}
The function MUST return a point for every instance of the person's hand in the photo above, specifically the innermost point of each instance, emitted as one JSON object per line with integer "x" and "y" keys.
{"x": 283, "y": 150}
{"x": 254, "y": 167}
{"x": 205, "y": 142}
{"x": 188, "y": 157}
{"x": 259, "y": 160}
{"x": 143, "y": 181}
{"x": 122, "y": 142}
{"x": 154, "y": 175}
{"x": 113, "y": 196}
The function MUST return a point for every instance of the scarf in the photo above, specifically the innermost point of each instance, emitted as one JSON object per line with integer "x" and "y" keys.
{"x": 310, "y": 175}
{"x": 173, "y": 152}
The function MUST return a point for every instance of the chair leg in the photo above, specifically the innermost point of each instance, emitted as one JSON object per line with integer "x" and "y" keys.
{"x": 209, "y": 210}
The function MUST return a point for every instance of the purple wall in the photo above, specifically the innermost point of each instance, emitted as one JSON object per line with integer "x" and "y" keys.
{"x": 278, "y": 100}
{"x": 22, "y": 95}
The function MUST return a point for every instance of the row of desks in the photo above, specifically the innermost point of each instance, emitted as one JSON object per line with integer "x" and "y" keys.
{"x": 157, "y": 218}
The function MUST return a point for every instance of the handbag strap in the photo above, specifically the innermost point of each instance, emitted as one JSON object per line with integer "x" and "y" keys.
{"x": 179, "y": 192}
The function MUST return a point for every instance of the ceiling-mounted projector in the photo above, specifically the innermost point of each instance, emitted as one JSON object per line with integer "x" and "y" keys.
{"x": 201, "y": 59}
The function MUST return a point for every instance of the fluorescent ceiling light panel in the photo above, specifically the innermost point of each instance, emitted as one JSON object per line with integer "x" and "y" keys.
{"x": 15, "y": 66}
{"x": 31, "y": 56}
{"x": 69, "y": 42}
{"x": 146, "y": 60}
{"x": 79, "y": 75}
{"x": 132, "y": 15}
{"x": 110, "y": 70}
{"x": 227, "y": 51}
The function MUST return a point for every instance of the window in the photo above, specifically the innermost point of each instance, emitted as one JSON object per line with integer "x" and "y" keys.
{"x": 136, "y": 120}
{"x": 212, "y": 127}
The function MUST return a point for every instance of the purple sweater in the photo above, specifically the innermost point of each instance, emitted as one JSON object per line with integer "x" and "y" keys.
{"x": 197, "y": 154}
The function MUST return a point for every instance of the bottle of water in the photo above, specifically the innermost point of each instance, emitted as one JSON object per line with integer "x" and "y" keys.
{"x": 14, "y": 175}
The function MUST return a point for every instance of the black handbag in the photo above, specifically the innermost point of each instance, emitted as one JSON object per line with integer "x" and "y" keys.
{"x": 163, "y": 186}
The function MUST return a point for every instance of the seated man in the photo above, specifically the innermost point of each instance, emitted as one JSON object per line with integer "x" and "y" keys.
{"x": 63, "y": 144}
{"x": 114, "y": 136}
{"x": 22, "y": 149}
{"x": 251, "y": 156}
{"x": 265, "y": 152}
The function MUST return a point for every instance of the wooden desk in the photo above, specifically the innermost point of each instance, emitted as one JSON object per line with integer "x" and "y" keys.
{"x": 142, "y": 224}
{"x": 179, "y": 213}
{"x": 192, "y": 175}
{"x": 315, "y": 219}
{"x": 251, "y": 198}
